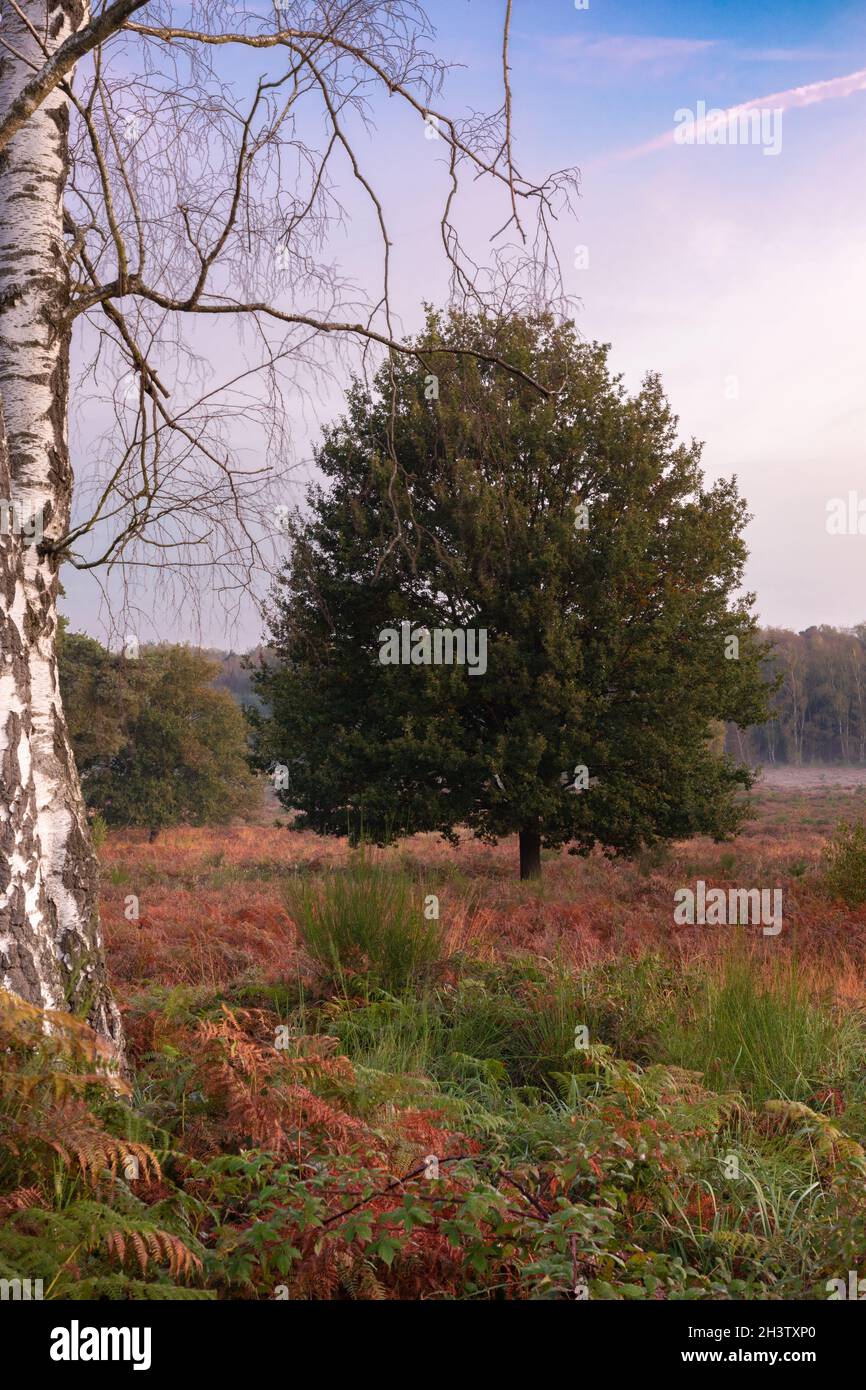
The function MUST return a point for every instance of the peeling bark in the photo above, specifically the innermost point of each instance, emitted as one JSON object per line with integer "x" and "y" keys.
{"x": 50, "y": 940}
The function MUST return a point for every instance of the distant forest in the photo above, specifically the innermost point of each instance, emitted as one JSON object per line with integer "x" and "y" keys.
{"x": 235, "y": 675}
{"x": 820, "y": 705}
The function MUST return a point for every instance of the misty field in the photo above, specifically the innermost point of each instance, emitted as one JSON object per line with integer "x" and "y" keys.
{"x": 549, "y": 1091}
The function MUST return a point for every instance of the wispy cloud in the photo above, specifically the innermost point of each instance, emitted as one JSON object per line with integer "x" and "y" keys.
{"x": 784, "y": 55}
{"x": 621, "y": 51}
{"x": 811, "y": 94}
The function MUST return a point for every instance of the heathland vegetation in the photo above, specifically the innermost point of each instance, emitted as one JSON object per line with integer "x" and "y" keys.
{"x": 401, "y": 1073}
{"x": 370, "y": 1063}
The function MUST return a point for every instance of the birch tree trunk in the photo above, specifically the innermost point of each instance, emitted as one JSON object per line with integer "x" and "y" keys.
{"x": 50, "y": 941}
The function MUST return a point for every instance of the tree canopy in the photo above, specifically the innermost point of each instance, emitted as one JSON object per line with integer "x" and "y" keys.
{"x": 575, "y": 531}
{"x": 155, "y": 742}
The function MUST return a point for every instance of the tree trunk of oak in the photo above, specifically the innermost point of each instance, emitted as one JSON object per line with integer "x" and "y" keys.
{"x": 530, "y": 853}
{"x": 50, "y": 942}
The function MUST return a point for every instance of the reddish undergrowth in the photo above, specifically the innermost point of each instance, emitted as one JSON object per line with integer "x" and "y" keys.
{"x": 210, "y": 901}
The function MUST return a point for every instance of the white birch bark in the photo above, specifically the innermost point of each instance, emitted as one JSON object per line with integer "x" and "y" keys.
{"x": 50, "y": 941}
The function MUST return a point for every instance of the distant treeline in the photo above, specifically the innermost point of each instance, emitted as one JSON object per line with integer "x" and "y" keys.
{"x": 820, "y": 705}
{"x": 235, "y": 674}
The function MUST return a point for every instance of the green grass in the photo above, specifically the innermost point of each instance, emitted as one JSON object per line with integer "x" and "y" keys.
{"x": 499, "y": 1047}
{"x": 759, "y": 1030}
{"x": 653, "y": 1150}
{"x": 365, "y": 927}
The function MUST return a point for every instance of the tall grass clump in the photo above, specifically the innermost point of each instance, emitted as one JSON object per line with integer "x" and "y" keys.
{"x": 366, "y": 925}
{"x": 751, "y": 1024}
{"x": 625, "y": 1003}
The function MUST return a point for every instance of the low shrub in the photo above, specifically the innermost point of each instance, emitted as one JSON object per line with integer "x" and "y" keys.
{"x": 844, "y": 864}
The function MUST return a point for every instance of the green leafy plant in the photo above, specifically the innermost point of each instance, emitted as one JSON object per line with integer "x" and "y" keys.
{"x": 155, "y": 742}
{"x": 98, "y": 830}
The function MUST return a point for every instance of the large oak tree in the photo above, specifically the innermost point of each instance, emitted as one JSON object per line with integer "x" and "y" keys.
{"x": 576, "y": 531}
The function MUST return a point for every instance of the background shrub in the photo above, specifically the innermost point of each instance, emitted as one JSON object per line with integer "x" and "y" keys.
{"x": 845, "y": 863}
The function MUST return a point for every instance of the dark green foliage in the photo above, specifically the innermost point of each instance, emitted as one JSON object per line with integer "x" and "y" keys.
{"x": 606, "y": 646}
{"x": 155, "y": 742}
{"x": 96, "y": 691}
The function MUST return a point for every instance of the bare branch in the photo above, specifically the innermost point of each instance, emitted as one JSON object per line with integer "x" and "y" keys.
{"x": 62, "y": 62}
